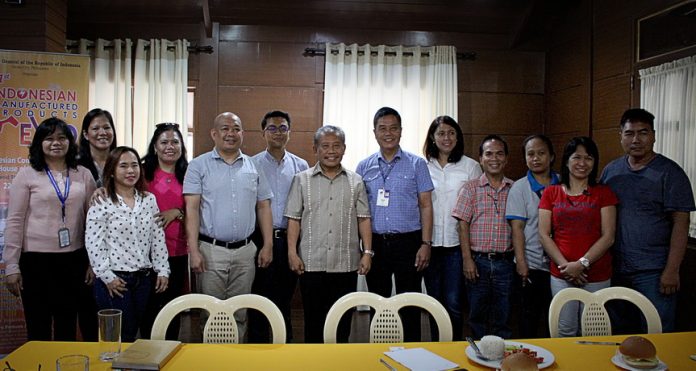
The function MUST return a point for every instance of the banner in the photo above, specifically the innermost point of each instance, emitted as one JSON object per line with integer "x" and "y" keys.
{"x": 33, "y": 87}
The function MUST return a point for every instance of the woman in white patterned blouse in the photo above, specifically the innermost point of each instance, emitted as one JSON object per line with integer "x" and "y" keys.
{"x": 125, "y": 243}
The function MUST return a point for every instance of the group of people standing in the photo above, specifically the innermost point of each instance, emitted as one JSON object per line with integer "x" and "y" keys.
{"x": 256, "y": 224}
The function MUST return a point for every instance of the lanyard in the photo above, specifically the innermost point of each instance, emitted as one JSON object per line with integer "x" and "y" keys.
{"x": 390, "y": 167}
{"x": 60, "y": 195}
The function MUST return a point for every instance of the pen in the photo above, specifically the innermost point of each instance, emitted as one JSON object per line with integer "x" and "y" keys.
{"x": 390, "y": 367}
{"x": 587, "y": 342}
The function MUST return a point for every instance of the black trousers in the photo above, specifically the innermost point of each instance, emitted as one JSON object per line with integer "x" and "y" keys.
{"x": 52, "y": 283}
{"x": 396, "y": 254}
{"x": 87, "y": 309}
{"x": 320, "y": 290}
{"x": 277, "y": 283}
{"x": 179, "y": 267}
{"x": 535, "y": 298}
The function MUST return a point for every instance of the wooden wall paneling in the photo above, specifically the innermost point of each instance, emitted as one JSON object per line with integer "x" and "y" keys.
{"x": 613, "y": 49}
{"x": 265, "y": 64}
{"x": 569, "y": 64}
{"x": 608, "y": 144}
{"x": 503, "y": 71}
{"x": 206, "y": 96}
{"x": 610, "y": 98}
{"x": 568, "y": 111}
{"x": 505, "y": 114}
{"x": 251, "y": 103}
{"x": 88, "y": 29}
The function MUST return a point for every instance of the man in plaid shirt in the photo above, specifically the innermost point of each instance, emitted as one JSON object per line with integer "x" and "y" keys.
{"x": 485, "y": 238}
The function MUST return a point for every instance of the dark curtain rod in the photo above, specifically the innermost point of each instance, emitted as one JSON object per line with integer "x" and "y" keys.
{"x": 314, "y": 52}
{"x": 191, "y": 49}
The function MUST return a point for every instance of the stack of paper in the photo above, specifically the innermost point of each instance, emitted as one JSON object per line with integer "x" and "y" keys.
{"x": 146, "y": 354}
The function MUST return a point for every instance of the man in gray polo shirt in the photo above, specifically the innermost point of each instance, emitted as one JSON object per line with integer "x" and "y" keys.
{"x": 225, "y": 194}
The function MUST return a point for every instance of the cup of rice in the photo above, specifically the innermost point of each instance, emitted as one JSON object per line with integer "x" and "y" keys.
{"x": 492, "y": 347}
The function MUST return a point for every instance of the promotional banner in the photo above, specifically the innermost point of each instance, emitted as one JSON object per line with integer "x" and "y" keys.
{"x": 33, "y": 87}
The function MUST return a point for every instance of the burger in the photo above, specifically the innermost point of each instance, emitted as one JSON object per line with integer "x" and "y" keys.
{"x": 519, "y": 362}
{"x": 638, "y": 352}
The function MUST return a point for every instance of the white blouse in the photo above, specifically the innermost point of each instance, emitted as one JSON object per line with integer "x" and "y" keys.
{"x": 119, "y": 238}
{"x": 448, "y": 181}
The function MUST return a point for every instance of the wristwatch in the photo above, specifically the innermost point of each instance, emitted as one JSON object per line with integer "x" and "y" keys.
{"x": 181, "y": 214}
{"x": 585, "y": 262}
{"x": 429, "y": 243}
{"x": 369, "y": 252}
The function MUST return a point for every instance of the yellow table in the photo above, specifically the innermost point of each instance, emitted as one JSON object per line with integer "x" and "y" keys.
{"x": 674, "y": 349}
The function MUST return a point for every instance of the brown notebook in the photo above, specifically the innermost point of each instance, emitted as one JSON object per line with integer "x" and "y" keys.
{"x": 146, "y": 354}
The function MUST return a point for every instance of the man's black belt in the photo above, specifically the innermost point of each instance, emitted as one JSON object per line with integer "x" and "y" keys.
{"x": 225, "y": 244}
{"x": 508, "y": 255}
{"x": 397, "y": 236}
{"x": 280, "y": 233}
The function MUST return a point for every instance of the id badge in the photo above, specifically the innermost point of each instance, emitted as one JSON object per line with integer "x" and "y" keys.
{"x": 383, "y": 197}
{"x": 63, "y": 237}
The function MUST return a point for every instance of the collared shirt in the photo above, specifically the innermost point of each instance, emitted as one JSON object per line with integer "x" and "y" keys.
{"x": 405, "y": 177}
{"x": 229, "y": 193}
{"x": 119, "y": 238}
{"x": 483, "y": 207}
{"x": 523, "y": 204}
{"x": 328, "y": 210}
{"x": 279, "y": 176}
{"x": 448, "y": 180}
{"x": 34, "y": 213}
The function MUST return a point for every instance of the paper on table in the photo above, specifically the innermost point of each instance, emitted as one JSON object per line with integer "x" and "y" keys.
{"x": 419, "y": 359}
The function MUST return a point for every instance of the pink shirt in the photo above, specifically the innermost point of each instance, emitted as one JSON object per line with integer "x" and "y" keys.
{"x": 34, "y": 214}
{"x": 169, "y": 194}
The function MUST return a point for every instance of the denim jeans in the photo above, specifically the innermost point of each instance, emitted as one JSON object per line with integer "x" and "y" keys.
{"x": 489, "y": 297}
{"x": 443, "y": 280}
{"x": 569, "y": 319}
{"x": 625, "y": 317}
{"x": 133, "y": 304}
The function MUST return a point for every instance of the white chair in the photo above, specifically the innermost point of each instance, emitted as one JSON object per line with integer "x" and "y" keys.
{"x": 386, "y": 326}
{"x": 595, "y": 318}
{"x": 221, "y": 326}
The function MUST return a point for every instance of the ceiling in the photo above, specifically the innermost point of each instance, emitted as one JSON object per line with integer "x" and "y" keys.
{"x": 517, "y": 20}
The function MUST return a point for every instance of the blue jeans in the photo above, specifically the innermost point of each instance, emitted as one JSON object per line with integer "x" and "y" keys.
{"x": 489, "y": 297}
{"x": 443, "y": 280}
{"x": 133, "y": 303}
{"x": 625, "y": 316}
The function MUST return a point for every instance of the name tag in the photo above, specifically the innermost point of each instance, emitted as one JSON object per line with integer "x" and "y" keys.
{"x": 382, "y": 197}
{"x": 63, "y": 237}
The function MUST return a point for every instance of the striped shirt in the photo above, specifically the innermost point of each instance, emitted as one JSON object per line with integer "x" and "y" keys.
{"x": 483, "y": 207}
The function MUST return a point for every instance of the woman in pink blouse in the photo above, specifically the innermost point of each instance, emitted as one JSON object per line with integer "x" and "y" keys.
{"x": 45, "y": 260}
{"x": 165, "y": 166}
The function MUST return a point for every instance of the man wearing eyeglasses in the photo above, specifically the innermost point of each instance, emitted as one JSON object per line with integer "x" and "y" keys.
{"x": 225, "y": 195}
{"x": 276, "y": 282}
{"x": 486, "y": 242}
{"x": 399, "y": 191}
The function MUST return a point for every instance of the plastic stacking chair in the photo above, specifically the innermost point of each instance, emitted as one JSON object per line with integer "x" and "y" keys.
{"x": 595, "y": 318}
{"x": 221, "y": 326}
{"x": 386, "y": 326}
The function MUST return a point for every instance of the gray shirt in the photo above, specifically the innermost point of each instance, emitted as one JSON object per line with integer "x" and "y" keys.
{"x": 229, "y": 193}
{"x": 329, "y": 210}
{"x": 279, "y": 176}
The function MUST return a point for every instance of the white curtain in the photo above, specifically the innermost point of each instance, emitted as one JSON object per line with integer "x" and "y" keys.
{"x": 669, "y": 92}
{"x": 140, "y": 92}
{"x": 160, "y": 87}
{"x": 110, "y": 82}
{"x": 357, "y": 84}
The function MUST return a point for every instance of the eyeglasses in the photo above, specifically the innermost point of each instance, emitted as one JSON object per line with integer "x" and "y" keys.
{"x": 273, "y": 129}
{"x": 166, "y": 125}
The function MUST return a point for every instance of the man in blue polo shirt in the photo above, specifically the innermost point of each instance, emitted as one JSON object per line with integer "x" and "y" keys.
{"x": 225, "y": 194}
{"x": 655, "y": 199}
{"x": 398, "y": 188}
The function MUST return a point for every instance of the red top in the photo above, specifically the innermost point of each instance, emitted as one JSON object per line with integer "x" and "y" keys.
{"x": 576, "y": 224}
{"x": 169, "y": 194}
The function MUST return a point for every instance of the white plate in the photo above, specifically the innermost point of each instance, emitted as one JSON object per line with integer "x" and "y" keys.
{"x": 541, "y": 352}
{"x": 618, "y": 360}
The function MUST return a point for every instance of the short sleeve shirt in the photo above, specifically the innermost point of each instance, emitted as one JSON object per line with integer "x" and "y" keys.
{"x": 576, "y": 224}
{"x": 405, "y": 177}
{"x": 229, "y": 193}
{"x": 483, "y": 207}
{"x": 647, "y": 198}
